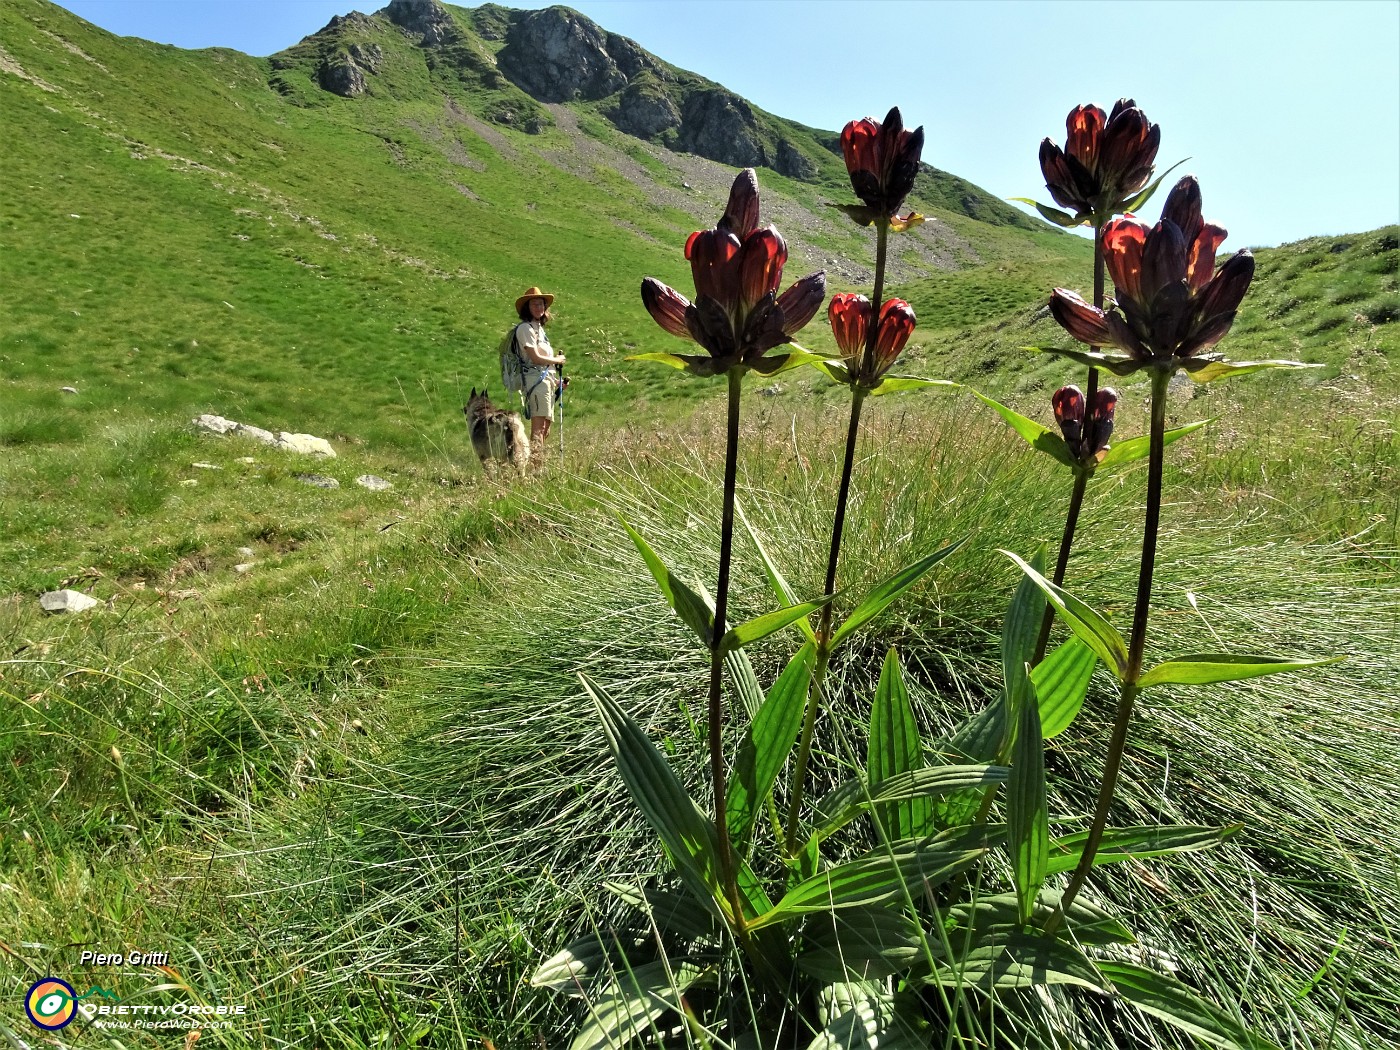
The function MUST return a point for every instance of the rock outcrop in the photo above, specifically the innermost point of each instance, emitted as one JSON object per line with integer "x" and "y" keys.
{"x": 428, "y": 20}
{"x": 557, "y": 55}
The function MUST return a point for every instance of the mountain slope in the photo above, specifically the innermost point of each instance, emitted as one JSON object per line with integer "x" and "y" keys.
{"x": 205, "y": 230}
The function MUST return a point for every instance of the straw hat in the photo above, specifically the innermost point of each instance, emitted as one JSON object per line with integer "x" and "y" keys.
{"x": 533, "y": 292}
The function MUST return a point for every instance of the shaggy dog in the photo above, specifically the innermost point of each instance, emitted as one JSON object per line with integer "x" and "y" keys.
{"x": 496, "y": 433}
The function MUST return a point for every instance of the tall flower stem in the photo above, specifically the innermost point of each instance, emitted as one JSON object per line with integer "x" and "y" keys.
{"x": 1081, "y": 478}
{"x": 716, "y": 705}
{"x": 816, "y": 693}
{"x": 1136, "y": 644}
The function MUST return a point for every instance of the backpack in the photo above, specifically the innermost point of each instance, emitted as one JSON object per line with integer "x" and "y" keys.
{"x": 512, "y": 368}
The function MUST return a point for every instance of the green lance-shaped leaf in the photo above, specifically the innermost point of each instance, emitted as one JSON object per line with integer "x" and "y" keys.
{"x": 776, "y": 580}
{"x": 765, "y": 747}
{"x": 986, "y": 917}
{"x": 574, "y": 969}
{"x": 1171, "y": 1001}
{"x": 673, "y": 912}
{"x": 768, "y": 623}
{"x": 1204, "y": 370}
{"x": 1135, "y": 205}
{"x": 686, "y": 835}
{"x": 860, "y": 943}
{"x": 1137, "y": 843}
{"x": 688, "y": 605}
{"x": 1136, "y": 448}
{"x": 884, "y": 593}
{"x": 1020, "y": 631}
{"x": 883, "y": 875}
{"x": 894, "y": 748}
{"x": 1039, "y": 437}
{"x": 1027, "y": 810}
{"x": 1059, "y": 218}
{"x": 854, "y": 797}
{"x": 901, "y": 384}
{"x": 1061, "y": 682}
{"x": 1206, "y": 668}
{"x": 794, "y": 357}
{"x": 1019, "y": 960}
{"x": 693, "y": 364}
{"x": 1096, "y": 632}
{"x": 633, "y": 1002}
{"x": 1118, "y": 364}
{"x": 867, "y": 1015}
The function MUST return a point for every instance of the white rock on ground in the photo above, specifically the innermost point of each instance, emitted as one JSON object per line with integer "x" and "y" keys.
{"x": 66, "y": 601}
{"x": 305, "y": 444}
{"x": 373, "y": 483}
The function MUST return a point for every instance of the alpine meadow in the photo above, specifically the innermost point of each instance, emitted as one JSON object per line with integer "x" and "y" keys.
{"x": 923, "y": 626}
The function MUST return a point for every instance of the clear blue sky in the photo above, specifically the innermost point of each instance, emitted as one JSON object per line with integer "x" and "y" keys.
{"x": 1289, "y": 111}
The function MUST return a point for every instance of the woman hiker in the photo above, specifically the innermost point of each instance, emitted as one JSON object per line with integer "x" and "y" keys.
{"x": 539, "y": 358}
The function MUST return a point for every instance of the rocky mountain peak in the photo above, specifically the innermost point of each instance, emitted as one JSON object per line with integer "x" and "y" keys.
{"x": 558, "y": 55}
{"x": 425, "y": 18}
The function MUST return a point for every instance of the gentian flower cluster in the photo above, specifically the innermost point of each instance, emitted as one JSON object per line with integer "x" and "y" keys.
{"x": 1170, "y": 302}
{"x": 737, "y": 315}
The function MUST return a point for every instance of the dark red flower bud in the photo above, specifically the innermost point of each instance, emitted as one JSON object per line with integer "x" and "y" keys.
{"x": 1086, "y": 323}
{"x": 741, "y": 213}
{"x": 849, "y": 315}
{"x": 666, "y": 306}
{"x": 761, "y": 263}
{"x": 713, "y": 258}
{"x": 1168, "y": 304}
{"x": 882, "y": 160}
{"x": 1085, "y": 432}
{"x": 801, "y": 302}
{"x": 1105, "y": 163}
{"x": 896, "y": 325}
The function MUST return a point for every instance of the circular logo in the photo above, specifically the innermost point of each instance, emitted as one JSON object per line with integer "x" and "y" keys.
{"x": 51, "y": 1003}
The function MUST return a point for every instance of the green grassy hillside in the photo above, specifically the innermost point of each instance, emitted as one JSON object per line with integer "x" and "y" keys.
{"x": 326, "y": 746}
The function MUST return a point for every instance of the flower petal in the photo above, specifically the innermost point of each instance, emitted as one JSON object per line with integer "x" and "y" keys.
{"x": 741, "y": 213}
{"x": 849, "y": 315}
{"x": 666, "y": 306}
{"x": 801, "y": 302}
{"x": 1078, "y": 318}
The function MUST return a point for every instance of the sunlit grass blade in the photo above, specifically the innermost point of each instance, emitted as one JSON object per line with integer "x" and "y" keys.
{"x": 1206, "y": 668}
{"x": 1090, "y": 924}
{"x": 1204, "y": 371}
{"x": 1167, "y": 998}
{"x": 1019, "y": 631}
{"x": 776, "y": 580}
{"x": 902, "y": 384}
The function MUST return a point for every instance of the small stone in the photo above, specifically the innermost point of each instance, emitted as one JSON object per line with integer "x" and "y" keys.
{"x": 246, "y": 552}
{"x": 267, "y": 437}
{"x": 207, "y": 466}
{"x": 319, "y": 480}
{"x": 214, "y": 424}
{"x": 373, "y": 483}
{"x": 243, "y": 566}
{"x": 190, "y": 482}
{"x": 66, "y": 601}
{"x": 306, "y": 444}
{"x": 358, "y": 726}
{"x": 69, "y": 389}
{"x": 246, "y": 459}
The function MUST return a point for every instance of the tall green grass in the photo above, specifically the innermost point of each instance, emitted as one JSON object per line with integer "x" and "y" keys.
{"x": 421, "y": 886}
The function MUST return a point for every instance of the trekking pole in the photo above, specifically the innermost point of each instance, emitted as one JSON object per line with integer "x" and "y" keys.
{"x": 561, "y": 413}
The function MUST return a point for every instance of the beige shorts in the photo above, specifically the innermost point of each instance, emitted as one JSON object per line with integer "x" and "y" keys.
{"x": 539, "y": 394}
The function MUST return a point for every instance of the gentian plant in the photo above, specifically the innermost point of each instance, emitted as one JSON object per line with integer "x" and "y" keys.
{"x": 916, "y": 903}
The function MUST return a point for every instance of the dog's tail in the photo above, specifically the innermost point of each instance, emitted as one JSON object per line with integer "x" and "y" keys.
{"x": 519, "y": 443}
